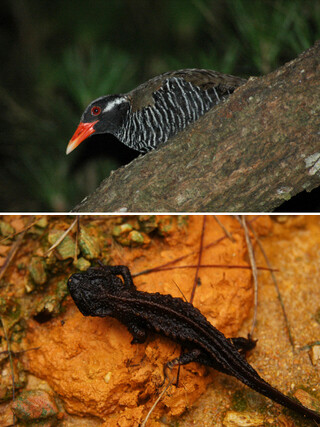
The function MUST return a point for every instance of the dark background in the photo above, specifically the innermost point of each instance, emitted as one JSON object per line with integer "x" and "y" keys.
{"x": 58, "y": 56}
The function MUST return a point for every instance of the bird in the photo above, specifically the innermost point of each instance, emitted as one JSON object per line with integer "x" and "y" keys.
{"x": 147, "y": 116}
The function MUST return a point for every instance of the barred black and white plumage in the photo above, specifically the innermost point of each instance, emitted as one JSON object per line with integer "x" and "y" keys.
{"x": 156, "y": 110}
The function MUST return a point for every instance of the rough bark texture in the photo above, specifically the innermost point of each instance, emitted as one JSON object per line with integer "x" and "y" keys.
{"x": 250, "y": 153}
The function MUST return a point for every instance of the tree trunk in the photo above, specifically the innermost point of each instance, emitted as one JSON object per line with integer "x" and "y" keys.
{"x": 251, "y": 153}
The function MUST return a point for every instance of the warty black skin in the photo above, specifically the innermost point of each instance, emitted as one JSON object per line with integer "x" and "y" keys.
{"x": 100, "y": 292}
{"x": 161, "y": 107}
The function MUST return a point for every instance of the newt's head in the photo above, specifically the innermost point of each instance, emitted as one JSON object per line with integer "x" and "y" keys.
{"x": 93, "y": 291}
{"x": 80, "y": 293}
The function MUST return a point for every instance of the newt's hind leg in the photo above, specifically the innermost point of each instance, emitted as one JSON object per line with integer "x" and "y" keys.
{"x": 195, "y": 355}
{"x": 199, "y": 356}
{"x": 184, "y": 359}
{"x": 243, "y": 344}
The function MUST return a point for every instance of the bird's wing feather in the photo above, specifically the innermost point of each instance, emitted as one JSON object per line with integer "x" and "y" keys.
{"x": 204, "y": 79}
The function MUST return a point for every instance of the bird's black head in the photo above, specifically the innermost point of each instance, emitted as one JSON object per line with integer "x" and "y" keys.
{"x": 103, "y": 115}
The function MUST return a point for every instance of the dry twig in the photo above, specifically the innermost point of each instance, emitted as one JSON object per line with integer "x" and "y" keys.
{"x": 61, "y": 237}
{"x": 275, "y": 284}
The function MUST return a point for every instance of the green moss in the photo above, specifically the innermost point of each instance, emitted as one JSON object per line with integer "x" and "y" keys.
{"x": 239, "y": 401}
{"x": 89, "y": 245}
{"x": 128, "y": 235}
{"x": 119, "y": 230}
{"x": 66, "y": 249}
{"x": 6, "y": 229}
{"x": 42, "y": 223}
{"x": 136, "y": 237}
{"x": 51, "y": 305}
{"x": 9, "y": 307}
{"x": 166, "y": 225}
{"x": 34, "y": 406}
{"x": 37, "y": 270}
{"x": 148, "y": 223}
{"x": 82, "y": 264}
{"x": 182, "y": 221}
{"x": 317, "y": 315}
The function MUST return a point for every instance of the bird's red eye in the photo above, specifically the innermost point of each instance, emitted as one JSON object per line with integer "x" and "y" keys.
{"x": 95, "y": 111}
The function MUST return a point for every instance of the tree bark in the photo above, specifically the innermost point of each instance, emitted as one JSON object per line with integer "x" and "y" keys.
{"x": 251, "y": 153}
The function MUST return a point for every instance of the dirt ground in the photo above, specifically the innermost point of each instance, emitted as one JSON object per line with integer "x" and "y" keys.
{"x": 97, "y": 376}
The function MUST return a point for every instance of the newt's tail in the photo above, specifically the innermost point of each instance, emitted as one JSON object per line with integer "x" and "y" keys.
{"x": 261, "y": 386}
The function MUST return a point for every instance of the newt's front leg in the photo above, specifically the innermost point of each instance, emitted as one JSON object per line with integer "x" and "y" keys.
{"x": 120, "y": 270}
{"x": 138, "y": 332}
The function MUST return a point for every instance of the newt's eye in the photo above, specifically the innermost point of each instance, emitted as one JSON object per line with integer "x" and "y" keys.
{"x": 95, "y": 111}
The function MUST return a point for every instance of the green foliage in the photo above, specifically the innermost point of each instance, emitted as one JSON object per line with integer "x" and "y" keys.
{"x": 43, "y": 128}
{"x": 58, "y": 57}
{"x": 89, "y": 74}
{"x": 270, "y": 29}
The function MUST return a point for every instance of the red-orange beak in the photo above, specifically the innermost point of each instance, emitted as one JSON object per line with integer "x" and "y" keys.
{"x": 83, "y": 131}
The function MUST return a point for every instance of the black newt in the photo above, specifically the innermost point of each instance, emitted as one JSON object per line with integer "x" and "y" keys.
{"x": 100, "y": 292}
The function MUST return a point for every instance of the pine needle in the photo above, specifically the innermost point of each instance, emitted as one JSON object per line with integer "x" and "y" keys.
{"x": 57, "y": 243}
{"x": 226, "y": 232}
{"x": 199, "y": 260}
{"x": 276, "y": 286}
{"x": 144, "y": 423}
{"x": 254, "y": 272}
